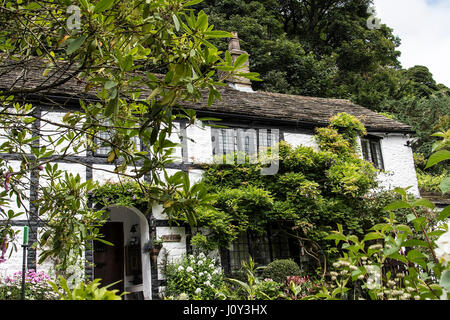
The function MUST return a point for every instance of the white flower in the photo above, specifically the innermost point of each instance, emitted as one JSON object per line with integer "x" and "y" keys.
{"x": 216, "y": 271}
{"x": 200, "y": 274}
{"x": 180, "y": 268}
{"x": 209, "y": 276}
{"x": 211, "y": 266}
{"x": 374, "y": 281}
{"x": 183, "y": 296}
{"x": 443, "y": 249}
{"x": 198, "y": 291}
{"x": 189, "y": 269}
{"x": 207, "y": 283}
{"x": 202, "y": 255}
{"x": 200, "y": 262}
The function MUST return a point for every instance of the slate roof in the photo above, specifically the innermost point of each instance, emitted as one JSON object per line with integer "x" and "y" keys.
{"x": 273, "y": 107}
{"x": 296, "y": 109}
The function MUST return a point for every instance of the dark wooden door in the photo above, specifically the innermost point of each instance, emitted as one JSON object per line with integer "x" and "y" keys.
{"x": 109, "y": 260}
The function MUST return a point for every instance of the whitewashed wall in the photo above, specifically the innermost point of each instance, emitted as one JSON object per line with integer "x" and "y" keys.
{"x": 399, "y": 164}
{"x": 297, "y": 139}
{"x": 48, "y": 129}
{"x": 199, "y": 144}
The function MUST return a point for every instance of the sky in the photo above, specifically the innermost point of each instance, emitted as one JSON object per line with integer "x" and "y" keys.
{"x": 424, "y": 29}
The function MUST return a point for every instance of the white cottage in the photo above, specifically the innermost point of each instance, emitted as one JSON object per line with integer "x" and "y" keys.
{"x": 263, "y": 117}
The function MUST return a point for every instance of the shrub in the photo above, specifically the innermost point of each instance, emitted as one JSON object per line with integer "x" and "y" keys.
{"x": 296, "y": 288}
{"x": 36, "y": 287}
{"x": 429, "y": 182}
{"x": 251, "y": 288}
{"x": 85, "y": 291}
{"x": 279, "y": 270}
{"x": 194, "y": 277}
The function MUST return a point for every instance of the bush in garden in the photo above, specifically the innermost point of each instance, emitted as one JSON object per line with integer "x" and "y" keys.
{"x": 194, "y": 277}
{"x": 36, "y": 287}
{"x": 252, "y": 288}
{"x": 279, "y": 270}
{"x": 297, "y": 287}
{"x": 394, "y": 260}
{"x": 85, "y": 291}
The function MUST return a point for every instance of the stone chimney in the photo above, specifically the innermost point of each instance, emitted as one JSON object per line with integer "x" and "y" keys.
{"x": 238, "y": 83}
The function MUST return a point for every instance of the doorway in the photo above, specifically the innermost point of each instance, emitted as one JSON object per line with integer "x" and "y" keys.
{"x": 127, "y": 261}
{"x": 109, "y": 260}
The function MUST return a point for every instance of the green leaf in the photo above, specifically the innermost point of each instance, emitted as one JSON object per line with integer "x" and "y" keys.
{"x": 445, "y": 280}
{"x": 414, "y": 243}
{"x": 110, "y": 84}
{"x": 240, "y": 60}
{"x": 418, "y": 223}
{"x": 398, "y": 256}
{"x": 192, "y": 3}
{"x": 445, "y": 185}
{"x": 85, "y": 4}
{"x": 103, "y": 5}
{"x": 410, "y": 217}
{"x": 444, "y": 214}
{"x": 437, "y": 157}
{"x": 75, "y": 44}
{"x": 176, "y": 22}
{"x": 218, "y": 34}
{"x": 399, "y": 204}
{"x": 111, "y": 107}
{"x": 169, "y": 98}
{"x": 415, "y": 254}
{"x": 400, "y": 191}
{"x": 404, "y": 228}
{"x": 423, "y": 203}
{"x": 337, "y": 237}
{"x": 418, "y": 257}
{"x": 202, "y": 22}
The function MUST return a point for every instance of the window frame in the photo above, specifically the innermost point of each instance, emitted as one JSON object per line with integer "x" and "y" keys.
{"x": 371, "y": 151}
{"x": 224, "y": 144}
{"x": 99, "y": 142}
{"x": 273, "y": 243}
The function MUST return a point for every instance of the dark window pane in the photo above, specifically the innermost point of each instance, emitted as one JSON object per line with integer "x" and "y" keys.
{"x": 371, "y": 150}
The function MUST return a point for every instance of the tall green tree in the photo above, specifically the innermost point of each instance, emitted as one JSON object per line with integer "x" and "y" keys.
{"x": 328, "y": 48}
{"x": 111, "y": 49}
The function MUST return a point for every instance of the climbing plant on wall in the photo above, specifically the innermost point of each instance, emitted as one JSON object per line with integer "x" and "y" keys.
{"x": 313, "y": 191}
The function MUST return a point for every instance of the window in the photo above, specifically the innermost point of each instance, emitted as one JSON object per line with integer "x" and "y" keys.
{"x": 100, "y": 140}
{"x": 371, "y": 150}
{"x": 103, "y": 138}
{"x": 262, "y": 248}
{"x": 250, "y": 141}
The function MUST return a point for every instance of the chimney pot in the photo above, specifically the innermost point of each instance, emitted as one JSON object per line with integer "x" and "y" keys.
{"x": 239, "y": 83}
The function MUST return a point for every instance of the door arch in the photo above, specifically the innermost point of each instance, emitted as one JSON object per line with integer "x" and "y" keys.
{"x": 133, "y": 265}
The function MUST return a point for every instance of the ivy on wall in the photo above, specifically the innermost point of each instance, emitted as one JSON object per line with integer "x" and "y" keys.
{"x": 313, "y": 191}
{"x": 127, "y": 193}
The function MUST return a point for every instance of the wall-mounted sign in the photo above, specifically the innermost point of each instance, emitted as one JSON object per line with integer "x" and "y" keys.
{"x": 171, "y": 238}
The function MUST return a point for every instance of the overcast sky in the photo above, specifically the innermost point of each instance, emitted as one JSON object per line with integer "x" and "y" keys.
{"x": 424, "y": 28}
